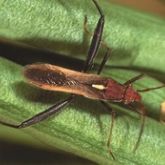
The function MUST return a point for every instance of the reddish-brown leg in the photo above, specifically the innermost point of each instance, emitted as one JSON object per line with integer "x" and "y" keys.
{"x": 142, "y": 111}
{"x": 109, "y": 109}
{"x": 140, "y": 107}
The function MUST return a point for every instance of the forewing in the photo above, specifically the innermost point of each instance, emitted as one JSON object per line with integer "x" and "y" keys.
{"x": 50, "y": 77}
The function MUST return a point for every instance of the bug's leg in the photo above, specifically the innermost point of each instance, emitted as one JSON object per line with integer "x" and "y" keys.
{"x": 95, "y": 43}
{"x": 134, "y": 79}
{"x": 149, "y": 89}
{"x": 91, "y": 34}
{"x": 111, "y": 126}
{"x": 142, "y": 113}
{"x": 105, "y": 58}
{"x": 140, "y": 109}
{"x": 42, "y": 115}
{"x": 142, "y": 90}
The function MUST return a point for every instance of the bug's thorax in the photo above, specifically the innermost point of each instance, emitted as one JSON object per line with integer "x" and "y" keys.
{"x": 120, "y": 93}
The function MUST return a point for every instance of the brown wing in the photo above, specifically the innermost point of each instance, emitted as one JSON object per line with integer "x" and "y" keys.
{"x": 54, "y": 78}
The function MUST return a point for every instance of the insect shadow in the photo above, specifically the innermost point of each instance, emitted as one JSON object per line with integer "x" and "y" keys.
{"x": 33, "y": 94}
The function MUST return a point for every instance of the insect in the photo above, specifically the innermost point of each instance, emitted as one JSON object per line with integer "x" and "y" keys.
{"x": 93, "y": 86}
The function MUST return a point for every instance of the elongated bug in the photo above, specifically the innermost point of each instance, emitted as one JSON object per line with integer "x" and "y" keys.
{"x": 93, "y": 86}
{"x": 56, "y": 78}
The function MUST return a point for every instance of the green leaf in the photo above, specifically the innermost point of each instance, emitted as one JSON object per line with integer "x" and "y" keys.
{"x": 138, "y": 43}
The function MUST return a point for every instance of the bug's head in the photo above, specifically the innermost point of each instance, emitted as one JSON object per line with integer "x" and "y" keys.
{"x": 131, "y": 95}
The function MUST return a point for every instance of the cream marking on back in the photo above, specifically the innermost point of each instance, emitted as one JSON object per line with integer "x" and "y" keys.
{"x": 98, "y": 86}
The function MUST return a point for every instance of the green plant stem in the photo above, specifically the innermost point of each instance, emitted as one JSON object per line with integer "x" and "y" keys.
{"x": 82, "y": 128}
